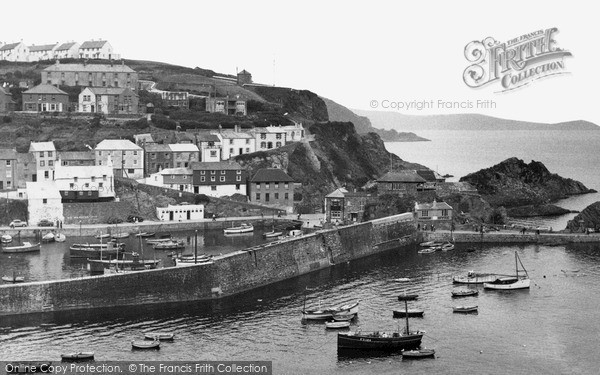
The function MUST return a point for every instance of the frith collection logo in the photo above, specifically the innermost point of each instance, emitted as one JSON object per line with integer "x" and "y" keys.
{"x": 515, "y": 63}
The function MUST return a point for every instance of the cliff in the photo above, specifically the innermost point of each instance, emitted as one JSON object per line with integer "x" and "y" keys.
{"x": 514, "y": 183}
{"x": 338, "y": 156}
{"x": 588, "y": 218}
{"x": 339, "y": 113}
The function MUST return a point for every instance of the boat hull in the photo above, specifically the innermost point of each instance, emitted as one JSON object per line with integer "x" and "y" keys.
{"x": 372, "y": 342}
{"x": 411, "y": 313}
{"x": 337, "y": 325}
{"x": 479, "y": 279}
{"x": 464, "y": 294}
{"x": 465, "y": 309}
{"x": 21, "y": 249}
{"x": 238, "y": 230}
{"x": 519, "y": 284}
{"x": 421, "y": 353}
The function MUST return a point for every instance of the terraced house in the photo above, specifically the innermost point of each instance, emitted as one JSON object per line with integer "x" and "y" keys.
{"x": 91, "y": 75}
{"x": 43, "y": 52}
{"x": 45, "y": 98}
{"x": 108, "y": 100}
{"x": 219, "y": 179}
{"x": 272, "y": 187}
{"x": 126, "y": 157}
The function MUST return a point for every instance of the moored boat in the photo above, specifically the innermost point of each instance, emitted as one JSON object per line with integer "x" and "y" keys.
{"x": 379, "y": 340}
{"x": 121, "y": 235}
{"x": 464, "y": 293}
{"x": 145, "y": 344}
{"x": 272, "y": 234}
{"x": 465, "y": 309}
{"x": 408, "y": 297}
{"x": 78, "y": 356}
{"x": 430, "y": 244}
{"x": 192, "y": 262}
{"x": 337, "y": 325}
{"x": 473, "y": 277}
{"x": 427, "y": 250}
{"x": 101, "y": 235}
{"x": 13, "y": 279}
{"x": 447, "y": 246}
{"x": 24, "y": 248}
{"x": 161, "y": 336}
{"x": 418, "y": 353}
{"x": 6, "y": 238}
{"x": 408, "y": 313}
{"x": 343, "y": 317}
{"x": 169, "y": 245}
{"x": 48, "y": 237}
{"x": 163, "y": 238}
{"x": 243, "y": 228}
{"x": 511, "y": 282}
{"x": 93, "y": 250}
{"x": 60, "y": 237}
{"x": 145, "y": 234}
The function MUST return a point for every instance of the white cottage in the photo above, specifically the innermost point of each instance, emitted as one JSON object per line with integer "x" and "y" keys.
{"x": 182, "y": 212}
{"x": 43, "y": 202}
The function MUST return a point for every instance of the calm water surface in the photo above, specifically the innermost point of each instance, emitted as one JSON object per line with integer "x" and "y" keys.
{"x": 551, "y": 328}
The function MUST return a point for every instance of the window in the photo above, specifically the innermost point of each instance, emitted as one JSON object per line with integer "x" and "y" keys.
{"x": 100, "y": 185}
{"x": 222, "y": 179}
{"x": 237, "y": 186}
{"x": 71, "y": 186}
{"x": 202, "y": 172}
{"x": 257, "y": 196}
{"x": 223, "y": 172}
{"x": 213, "y": 172}
{"x": 213, "y": 188}
{"x": 213, "y": 154}
{"x": 247, "y": 141}
{"x": 278, "y": 144}
{"x": 104, "y": 177}
{"x": 134, "y": 152}
{"x": 213, "y": 178}
{"x": 266, "y": 185}
{"x": 263, "y": 136}
{"x": 8, "y": 174}
{"x": 238, "y": 172}
{"x": 8, "y": 163}
{"x": 247, "y": 149}
{"x": 93, "y": 179}
{"x": 135, "y": 161}
{"x": 42, "y": 163}
{"x": 278, "y": 136}
{"x": 263, "y": 144}
{"x": 286, "y": 196}
{"x": 276, "y": 195}
{"x": 49, "y": 154}
{"x": 86, "y": 185}
{"x": 75, "y": 179}
{"x": 50, "y": 163}
{"x": 44, "y": 200}
{"x": 238, "y": 178}
{"x": 277, "y": 185}
{"x": 424, "y": 213}
{"x": 231, "y": 141}
{"x": 286, "y": 185}
{"x": 131, "y": 171}
{"x": 202, "y": 179}
{"x": 258, "y": 186}
{"x": 230, "y": 151}
{"x": 266, "y": 197}
{"x": 41, "y": 154}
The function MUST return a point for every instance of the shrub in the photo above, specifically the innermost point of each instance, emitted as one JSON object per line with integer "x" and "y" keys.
{"x": 6, "y": 119}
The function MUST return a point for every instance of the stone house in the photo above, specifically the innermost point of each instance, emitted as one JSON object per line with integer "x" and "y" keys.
{"x": 172, "y": 178}
{"x": 8, "y": 169}
{"x": 126, "y": 157}
{"x": 272, "y": 187}
{"x": 85, "y": 183}
{"x": 108, "y": 100}
{"x": 269, "y": 138}
{"x": 435, "y": 213}
{"x": 226, "y": 105}
{"x": 44, "y": 154}
{"x": 91, "y": 75}
{"x": 218, "y": 179}
{"x": 76, "y": 158}
{"x": 402, "y": 183}
{"x": 45, "y": 98}
{"x": 235, "y": 142}
{"x": 342, "y": 206}
{"x": 209, "y": 146}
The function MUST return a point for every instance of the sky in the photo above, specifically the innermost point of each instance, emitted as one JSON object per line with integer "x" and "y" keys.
{"x": 364, "y": 55}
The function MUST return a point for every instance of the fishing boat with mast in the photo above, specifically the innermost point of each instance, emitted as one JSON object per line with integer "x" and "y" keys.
{"x": 380, "y": 341}
{"x": 519, "y": 281}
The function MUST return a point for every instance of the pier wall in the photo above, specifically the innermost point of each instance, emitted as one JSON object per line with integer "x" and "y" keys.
{"x": 228, "y": 275}
{"x": 509, "y": 237}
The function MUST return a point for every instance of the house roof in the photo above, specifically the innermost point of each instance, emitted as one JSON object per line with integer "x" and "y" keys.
{"x": 271, "y": 175}
{"x": 76, "y": 155}
{"x": 146, "y": 137}
{"x": 402, "y": 176}
{"x": 183, "y": 147}
{"x": 433, "y": 206}
{"x": 269, "y": 129}
{"x": 217, "y": 166}
{"x": 429, "y": 175}
{"x": 178, "y": 171}
{"x": 65, "y": 46}
{"x": 46, "y": 47}
{"x": 8, "y": 153}
{"x": 42, "y": 189}
{"x": 118, "y": 68}
{"x": 93, "y": 44}
{"x": 157, "y": 147}
{"x": 117, "y": 144}
{"x": 107, "y": 90}
{"x": 41, "y": 146}
{"x": 337, "y": 193}
{"x": 8, "y": 47}
{"x": 81, "y": 171}
{"x": 233, "y": 134}
{"x": 207, "y": 137}
{"x": 45, "y": 89}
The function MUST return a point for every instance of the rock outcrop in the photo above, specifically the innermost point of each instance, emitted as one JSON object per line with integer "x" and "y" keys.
{"x": 588, "y": 218}
{"x": 514, "y": 183}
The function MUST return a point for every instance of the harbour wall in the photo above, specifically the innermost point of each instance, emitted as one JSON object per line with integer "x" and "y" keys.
{"x": 509, "y": 237}
{"x": 228, "y": 275}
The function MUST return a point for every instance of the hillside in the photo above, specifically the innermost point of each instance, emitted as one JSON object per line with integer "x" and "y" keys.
{"x": 401, "y": 122}
{"x": 514, "y": 183}
{"x": 339, "y": 113}
{"x": 338, "y": 156}
{"x": 588, "y": 218}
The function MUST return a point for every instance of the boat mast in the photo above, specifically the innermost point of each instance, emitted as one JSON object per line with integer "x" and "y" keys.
{"x": 406, "y": 310}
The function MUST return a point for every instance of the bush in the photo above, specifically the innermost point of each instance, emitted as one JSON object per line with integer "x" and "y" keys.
{"x": 114, "y": 220}
{"x": 161, "y": 121}
{"x": 6, "y": 119}
{"x": 136, "y": 124}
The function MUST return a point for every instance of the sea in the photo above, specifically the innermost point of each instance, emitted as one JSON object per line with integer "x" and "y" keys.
{"x": 549, "y": 329}
{"x": 570, "y": 154}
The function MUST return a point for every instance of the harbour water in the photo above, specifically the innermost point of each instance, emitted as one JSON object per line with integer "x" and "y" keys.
{"x": 548, "y": 329}
{"x": 571, "y": 154}
{"x": 53, "y": 262}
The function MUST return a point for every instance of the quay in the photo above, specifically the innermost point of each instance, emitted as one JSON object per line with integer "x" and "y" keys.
{"x": 227, "y": 275}
{"x": 509, "y": 236}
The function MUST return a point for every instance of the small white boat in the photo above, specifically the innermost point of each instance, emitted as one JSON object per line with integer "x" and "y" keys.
{"x": 6, "y": 238}
{"x": 337, "y": 325}
{"x": 48, "y": 237}
{"x": 430, "y": 244}
{"x": 244, "y": 228}
{"x": 13, "y": 279}
{"x": 447, "y": 246}
{"x": 402, "y": 279}
{"x": 120, "y": 235}
{"x": 161, "y": 336}
{"x": 418, "y": 353}
{"x": 511, "y": 282}
{"x": 465, "y": 309}
{"x": 343, "y": 317}
{"x": 169, "y": 245}
{"x": 428, "y": 250}
{"x": 102, "y": 235}
{"x": 191, "y": 262}
{"x": 146, "y": 344}
{"x": 59, "y": 237}
{"x": 272, "y": 234}
{"x": 77, "y": 356}
{"x": 295, "y": 233}
{"x": 25, "y": 247}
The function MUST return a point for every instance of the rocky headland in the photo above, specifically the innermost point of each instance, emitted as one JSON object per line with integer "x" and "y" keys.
{"x": 588, "y": 218}
{"x": 524, "y": 189}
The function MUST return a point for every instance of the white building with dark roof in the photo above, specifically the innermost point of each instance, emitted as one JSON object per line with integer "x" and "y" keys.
{"x": 97, "y": 49}
{"x": 269, "y": 138}
{"x": 127, "y": 158}
{"x": 69, "y": 50}
{"x": 108, "y": 100}
{"x": 235, "y": 142}
{"x": 42, "y": 52}
{"x": 85, "y": 183}
{"x": 433, "y": 212}
{"x": 172, "y": 178}
{"x": 14, "y": 52}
